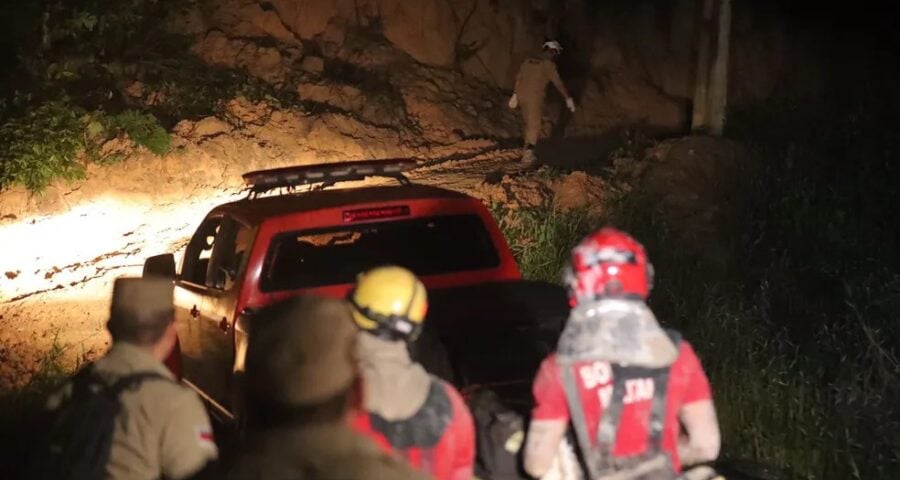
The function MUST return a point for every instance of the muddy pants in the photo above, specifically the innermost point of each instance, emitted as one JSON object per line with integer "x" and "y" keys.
{"x": 531, "y": 117}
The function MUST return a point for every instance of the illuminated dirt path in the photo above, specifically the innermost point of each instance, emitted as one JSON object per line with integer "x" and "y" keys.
{"x": 57, "y": 270}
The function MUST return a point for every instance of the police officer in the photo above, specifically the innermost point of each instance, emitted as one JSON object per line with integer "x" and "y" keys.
{"x": 407, "y": 411}
{"x": 161, "y": 428}
{"x": 531, "y": 86}
{"x": 627, "y": 385}
{"x": 301, "y": 380}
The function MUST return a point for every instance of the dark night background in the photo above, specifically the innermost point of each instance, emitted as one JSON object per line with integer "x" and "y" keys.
{"x": 783, "y": 272}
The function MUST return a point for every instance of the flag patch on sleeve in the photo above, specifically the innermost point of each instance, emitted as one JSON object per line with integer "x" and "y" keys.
{"x": 204, "y": 435}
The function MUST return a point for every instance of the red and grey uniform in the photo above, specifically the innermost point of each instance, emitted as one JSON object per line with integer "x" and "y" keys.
{"x": 629, "y": 412}
{"x": 439, "y": 439}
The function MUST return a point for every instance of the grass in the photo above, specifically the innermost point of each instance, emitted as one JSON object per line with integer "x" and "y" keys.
{"x": 540, "y": 238}
{"x": 801, "y": 347}
{"x": 21, "y": 412}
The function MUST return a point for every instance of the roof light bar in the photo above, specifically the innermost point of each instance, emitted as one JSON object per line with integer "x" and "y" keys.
{"x": 261, "y": 181}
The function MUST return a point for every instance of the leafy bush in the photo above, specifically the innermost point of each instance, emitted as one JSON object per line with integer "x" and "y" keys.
{"x": 65, "y": 86}
{"x": 143, "y": 129}
{"x": 42, "y": 145}
{"x": 54, "y": 140}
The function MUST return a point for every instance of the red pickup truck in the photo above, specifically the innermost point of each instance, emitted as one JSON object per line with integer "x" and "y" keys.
{"x": 279, "y": 242}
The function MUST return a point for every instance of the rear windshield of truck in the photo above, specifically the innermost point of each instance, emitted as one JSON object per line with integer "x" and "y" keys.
{"x": 333, "y": 256}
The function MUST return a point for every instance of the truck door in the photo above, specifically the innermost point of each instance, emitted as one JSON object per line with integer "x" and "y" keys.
{"x": 226, "y": 268}
{"x": 191, "y": 304}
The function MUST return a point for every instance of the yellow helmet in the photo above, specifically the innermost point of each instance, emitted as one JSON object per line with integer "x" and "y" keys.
{"x": 390, "y": 302}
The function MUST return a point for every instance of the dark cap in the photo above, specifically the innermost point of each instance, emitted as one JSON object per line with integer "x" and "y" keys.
{"x": 301, "y": 351}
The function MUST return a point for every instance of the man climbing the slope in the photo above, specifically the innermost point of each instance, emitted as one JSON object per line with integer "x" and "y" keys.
{"x": 404, "y": 409}
{"x": 626, "y": 384}
{"x": 531, "y": 86}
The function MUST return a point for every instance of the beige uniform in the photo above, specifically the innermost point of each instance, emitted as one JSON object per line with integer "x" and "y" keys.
{"x": 321, "y": 452}
{"x": 163, "y": 429}
{"x": 531, "y": 86}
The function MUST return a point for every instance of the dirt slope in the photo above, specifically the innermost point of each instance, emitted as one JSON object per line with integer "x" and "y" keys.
{"x": 70, "y": 244}
{"x": 373, "y": 79}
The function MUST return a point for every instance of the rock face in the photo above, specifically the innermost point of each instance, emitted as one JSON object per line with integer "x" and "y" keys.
{"x": 266, "y": 63}
{"x": 374, "y": 79}
{"x": 628, "y": 63}
{"x": 251, "y": 19}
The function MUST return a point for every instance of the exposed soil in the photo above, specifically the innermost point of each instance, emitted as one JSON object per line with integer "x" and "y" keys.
{"x": 367, "y": 86}
{"x": 56, "y": 287}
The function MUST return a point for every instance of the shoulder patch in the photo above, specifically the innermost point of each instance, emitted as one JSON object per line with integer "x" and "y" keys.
{"x": 204, "y": 436}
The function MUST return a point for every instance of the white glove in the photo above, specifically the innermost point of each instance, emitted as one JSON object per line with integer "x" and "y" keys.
{"x": 570, "y": 104}
{"x": 513, "y": 101}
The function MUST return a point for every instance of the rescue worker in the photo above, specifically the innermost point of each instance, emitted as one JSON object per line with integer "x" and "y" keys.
{"x": 530, "y": 88}
{"x": 626, "y": 384}
{"x": 301, "y": 380}
{"x": 161, "y": 428}
{"x": 407, "y": 411}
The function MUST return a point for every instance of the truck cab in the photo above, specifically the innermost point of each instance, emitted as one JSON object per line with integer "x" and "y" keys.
{"x": 278, "y": 242}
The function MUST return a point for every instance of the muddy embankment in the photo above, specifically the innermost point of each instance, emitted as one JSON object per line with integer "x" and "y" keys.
{"x": 62, "y": 250}
{"x": 375, "y": 79}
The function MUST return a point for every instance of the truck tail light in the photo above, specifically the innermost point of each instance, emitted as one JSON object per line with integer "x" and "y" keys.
{"x": 375, "y": 213}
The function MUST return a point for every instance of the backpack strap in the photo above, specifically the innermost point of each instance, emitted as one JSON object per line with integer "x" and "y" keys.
{"x": 657, "y": 411}
{"x": 590, "y": 453}
{"x": 608, "y": 429}
{"x": 87, "y": 378}
{"x": 674, "y": 336}
{"x": 132, "y": 381}
{"x": 660, "y": 391}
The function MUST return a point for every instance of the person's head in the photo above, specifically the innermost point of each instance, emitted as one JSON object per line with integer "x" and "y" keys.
{"x": 300, "y": 367}
{"x": 142, "y": 314}
{"x": 608, "y": 264}
{"x": 551, "y": 49}
{"x": 390, "y": 303}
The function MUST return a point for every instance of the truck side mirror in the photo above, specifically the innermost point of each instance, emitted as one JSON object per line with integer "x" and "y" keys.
{"x": 160, "y": 266}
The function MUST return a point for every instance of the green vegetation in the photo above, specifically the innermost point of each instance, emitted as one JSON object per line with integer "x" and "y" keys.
{"x": 541, "y": 238}
{"x": 143, "y": 129}
{"x": 86, "y": 72}
{"x": 54, "y": 138}
{"x": 42, "y": 145}
{"x": 801, "y": 348}
{"x": 51, "y": 372}
{"x": 22, "y": 417}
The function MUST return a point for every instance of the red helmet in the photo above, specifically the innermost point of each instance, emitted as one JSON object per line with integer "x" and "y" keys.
{"x": 608, "y": 263}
